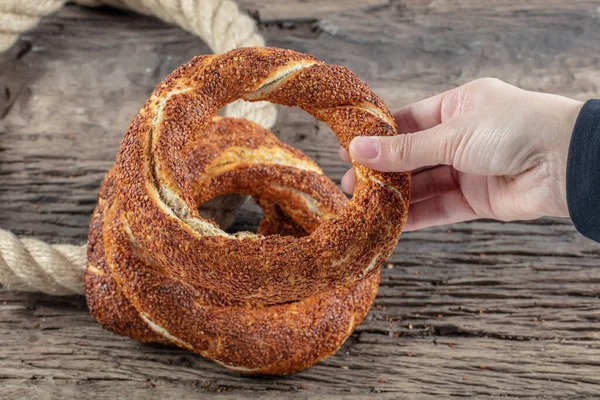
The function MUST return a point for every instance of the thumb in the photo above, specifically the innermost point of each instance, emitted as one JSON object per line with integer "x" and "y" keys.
{"x": 405, "y": 152}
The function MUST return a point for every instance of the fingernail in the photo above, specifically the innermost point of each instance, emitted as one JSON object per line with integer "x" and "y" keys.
{"x": 365, "y": 147}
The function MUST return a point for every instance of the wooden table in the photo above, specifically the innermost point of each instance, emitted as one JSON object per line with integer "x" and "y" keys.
{"x": 475, "y": 309}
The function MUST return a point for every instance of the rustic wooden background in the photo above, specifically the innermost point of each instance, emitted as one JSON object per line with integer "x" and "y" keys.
{"x": 478, "y": 309}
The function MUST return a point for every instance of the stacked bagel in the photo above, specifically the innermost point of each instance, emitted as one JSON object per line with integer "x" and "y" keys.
{"x": 272, "y": 302}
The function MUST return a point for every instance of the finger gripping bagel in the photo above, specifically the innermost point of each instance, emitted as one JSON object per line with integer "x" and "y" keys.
{"x": 272, "y": 302}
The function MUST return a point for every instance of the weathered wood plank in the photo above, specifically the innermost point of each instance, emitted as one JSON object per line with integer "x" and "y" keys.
{"x": 521, "y": 299}
{"x": 274, "y": 11}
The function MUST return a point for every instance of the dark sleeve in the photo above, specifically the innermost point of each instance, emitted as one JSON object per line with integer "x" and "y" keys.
{"x": 583, "y": 171}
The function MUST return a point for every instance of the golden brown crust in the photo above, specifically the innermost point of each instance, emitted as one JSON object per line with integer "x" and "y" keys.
{"x": 161, "y": 210}
{"x": 270, "y": 339}
{"x": 271, "y": 303}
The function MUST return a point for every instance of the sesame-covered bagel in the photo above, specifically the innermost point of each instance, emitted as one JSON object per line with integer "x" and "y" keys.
{"x": 160, "y": 210}
{"x": 130, "y": 293}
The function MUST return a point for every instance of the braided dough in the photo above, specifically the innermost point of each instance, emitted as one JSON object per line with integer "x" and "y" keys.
{"x": 272, "y": 302}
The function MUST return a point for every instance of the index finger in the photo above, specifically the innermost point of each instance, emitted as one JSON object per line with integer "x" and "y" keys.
{"x": 427, "y": 113}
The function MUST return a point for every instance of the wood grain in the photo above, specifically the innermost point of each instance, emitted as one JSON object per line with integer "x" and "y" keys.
{"x": 478, "y": 309}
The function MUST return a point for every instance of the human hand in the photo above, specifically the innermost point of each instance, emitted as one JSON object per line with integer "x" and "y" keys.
{"x": 486, "y": 149}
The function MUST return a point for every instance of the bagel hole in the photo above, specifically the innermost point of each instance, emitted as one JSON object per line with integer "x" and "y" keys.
{"x": 247, "y": 218}
{"x": 240, "y": 213}
{"x": 297, "y": 128}
{"x": 233, "y": 212}
{"x": 224, "y": 211}
{"x": 302, "y": 131}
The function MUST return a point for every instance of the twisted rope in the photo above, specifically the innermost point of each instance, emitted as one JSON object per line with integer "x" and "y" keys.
{"x": 31, "y": 265}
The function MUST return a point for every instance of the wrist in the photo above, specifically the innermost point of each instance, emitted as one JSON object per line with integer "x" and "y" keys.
{"x": 569, "y": 111}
